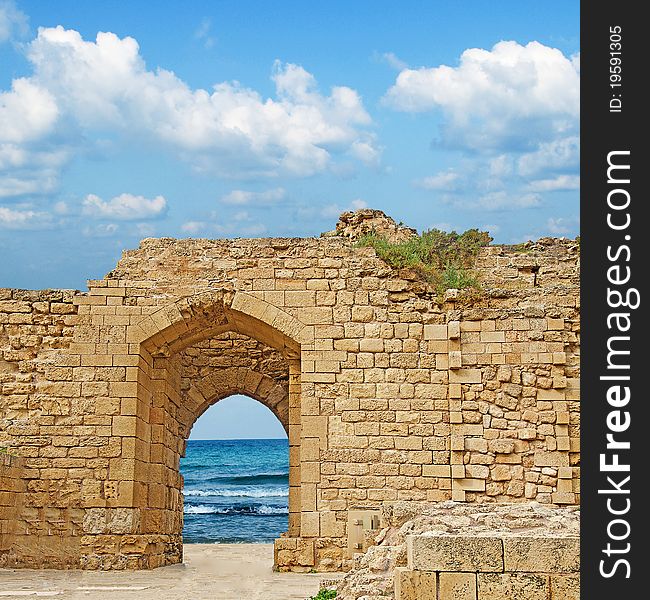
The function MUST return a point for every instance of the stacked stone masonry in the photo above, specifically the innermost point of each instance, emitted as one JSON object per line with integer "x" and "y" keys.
{"x": 388, "y": 391}
{"x": 489, "y": 568}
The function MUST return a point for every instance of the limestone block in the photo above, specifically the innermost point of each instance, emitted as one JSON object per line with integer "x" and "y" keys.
{"x": 550, "y": 394}
{"x": 564, "y": 498}
{"x": 554, "y": 324}
{"x": 493, "y": 336}
{"x": 551, "y": 459}
{"x": 501, "y": 446}
{"x": 565, "y": 587}
{"x": 457, "y": 586}
{"x": 471, "y": 485}
{"x": 517, "y": 586}
{"x": 453, "y": 330}
{"x": 455, "y": 390}
{"x": 310, "y": 524}
{"x": 455, "y": 359}
{"x": 436, "y": 471}
{"x": 465, "y": 376}
{"x": 458, "y": 471}
{"x": 457, "y": 553}
{"x": 458, "y": 495}
{"x": 435, "y": 332}
{"x": 414, "y": 585}
{"x": 542, "y": 555}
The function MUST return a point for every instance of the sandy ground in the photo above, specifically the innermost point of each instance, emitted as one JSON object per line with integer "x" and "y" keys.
{"x": 210, "y": 571}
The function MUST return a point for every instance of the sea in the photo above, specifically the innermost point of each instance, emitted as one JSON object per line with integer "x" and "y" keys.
{"x": 236, "y": 491}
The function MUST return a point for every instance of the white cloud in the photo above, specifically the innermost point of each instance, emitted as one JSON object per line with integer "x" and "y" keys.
{"x": 367, "y": 152}
{"x": 12, "y": 20}
{"x": 61, "y": 208}
{"x": 561, "y": 225}
{"x": 511, "y": 97}
{"x": 27, "y": 112}
{"x": 28, "y": 166}
{"x": 203, "y": 34}
{"x": 395, "y": 62}
{"x": 445, "y": 181}
{"x": 193, "y": 227}
{"x": 245, "y": 197}
{"x": 561, "y": 182}
{"x": 101, "y": 230}
{"x": 145, "y": 229}
{"x": 126, "y": 207}
{"x": 229, "y": 130}
{"x": 501, "y": 166}
{"x": 562, "y": 154}
{"x": 23, "y": 218}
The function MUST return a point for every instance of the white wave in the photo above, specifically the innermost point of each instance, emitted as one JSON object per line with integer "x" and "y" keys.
{"x": 203, "y": 509}
{"x": 258, "y": 493}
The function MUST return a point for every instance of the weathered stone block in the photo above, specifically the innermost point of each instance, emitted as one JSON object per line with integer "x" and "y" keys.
{"x": 565, "y": 587}
{"x": 454, "y": 553}
{"x": 435, "y": 332}
{"x": 414, "y": 585}
{"x": 508, "y": 586}
{"x": 542, "y": 555}
{"x": 456, "y": 586}
{"x": 465, "y": 376}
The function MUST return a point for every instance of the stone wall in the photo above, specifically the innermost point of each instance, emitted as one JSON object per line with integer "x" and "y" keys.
{"x": 12, "y": 490}
{"x": 490, "y": 568}
{"x": 387, "y": 390}
{"x": 469, "y": 551}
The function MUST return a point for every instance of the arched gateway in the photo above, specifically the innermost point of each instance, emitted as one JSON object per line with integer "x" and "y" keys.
{"x": 387, "y": 391}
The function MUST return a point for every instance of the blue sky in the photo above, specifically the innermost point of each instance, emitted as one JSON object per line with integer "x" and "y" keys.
{"x": 123, "y": 120}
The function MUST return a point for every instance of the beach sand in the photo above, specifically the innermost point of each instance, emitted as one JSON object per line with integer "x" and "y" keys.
{"x": 210, "y": 571}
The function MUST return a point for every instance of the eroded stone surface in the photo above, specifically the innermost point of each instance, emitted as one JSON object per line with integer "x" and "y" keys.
{"x": 373, "y": 573}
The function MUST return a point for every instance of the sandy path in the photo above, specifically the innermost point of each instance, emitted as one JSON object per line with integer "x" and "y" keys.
{"x": 210, "y": 571}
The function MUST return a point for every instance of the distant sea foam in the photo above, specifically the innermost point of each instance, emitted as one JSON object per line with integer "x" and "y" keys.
{"x": 263, "y": 493}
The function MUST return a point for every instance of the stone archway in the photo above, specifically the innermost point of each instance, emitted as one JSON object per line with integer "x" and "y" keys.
{"x": 238, "y": 380}
{"x": 156, "y": 416}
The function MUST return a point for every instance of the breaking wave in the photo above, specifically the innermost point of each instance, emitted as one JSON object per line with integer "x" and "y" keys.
{"x": 261, "y": 510}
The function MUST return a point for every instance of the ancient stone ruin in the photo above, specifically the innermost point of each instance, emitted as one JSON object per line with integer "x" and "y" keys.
{"x": 389, "y": 390}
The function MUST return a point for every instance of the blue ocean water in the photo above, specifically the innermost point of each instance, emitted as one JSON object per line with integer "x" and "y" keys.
{"x": 236, "y": 491}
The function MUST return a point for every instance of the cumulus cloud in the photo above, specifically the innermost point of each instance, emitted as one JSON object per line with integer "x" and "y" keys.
{"x": 562, "y": 154}
{"x": 27, "y": 112}
{"x": 28, "y": 164}
{"x": 23, "y": 218}
{"x": 245, "y": 197}
{"x": 125, "y": 207}
{"x": 106, "y": 84}
{"x": 509, "y": 97}
{"x": 12, "y": 20}
{"x": 82, "y": 90}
